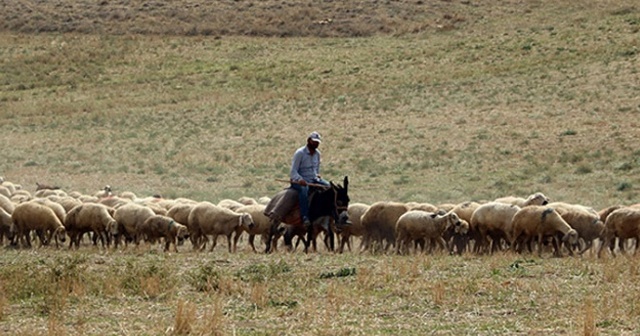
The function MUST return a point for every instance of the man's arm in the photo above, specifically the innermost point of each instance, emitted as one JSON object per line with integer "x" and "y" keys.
{"x": 295, "y": 165}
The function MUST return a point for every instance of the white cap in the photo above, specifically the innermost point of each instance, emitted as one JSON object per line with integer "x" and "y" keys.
{"x": 315, "y": 136}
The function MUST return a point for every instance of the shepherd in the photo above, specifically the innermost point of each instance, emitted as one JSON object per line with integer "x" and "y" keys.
{"x": 305, "y": 170}
{"x": 329, "y": 200}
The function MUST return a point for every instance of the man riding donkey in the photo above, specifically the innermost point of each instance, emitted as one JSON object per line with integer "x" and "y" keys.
{"x": 305, "y": 170}
{"x": 330, "y": 200}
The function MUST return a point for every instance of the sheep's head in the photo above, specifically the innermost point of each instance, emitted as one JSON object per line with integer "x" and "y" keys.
{"x": 571, "y": 237}
{"x": 247, "y": 221}
{"x": 12, "y": 231}
{"x": 112, "y": 227}
{"x": 61, "y": 234}
{"x": 537, "y": 199}
{"x": 462, "y": 227}
{"x": 182, "y": 234}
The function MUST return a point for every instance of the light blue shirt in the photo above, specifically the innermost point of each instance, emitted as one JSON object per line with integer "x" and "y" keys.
{"x": 305, "y": 166}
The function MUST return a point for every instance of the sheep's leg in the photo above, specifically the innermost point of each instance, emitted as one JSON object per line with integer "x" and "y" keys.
{"x": 232, "y": 248}
{"x": 540, "y": 246}
{"x": 236, "y": 237}
{"x": 28, "y": 238}
{"x": 587, "y": 245}
{"x": 251, "y": 239}
{"x": 214, "y": 242}
{"x": 344, "y": 240}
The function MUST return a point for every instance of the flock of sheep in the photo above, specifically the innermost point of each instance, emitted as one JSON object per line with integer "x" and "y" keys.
{"x": 53, "y": 215}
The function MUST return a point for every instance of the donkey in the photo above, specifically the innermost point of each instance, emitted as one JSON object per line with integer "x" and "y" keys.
{"x": 324, "y": 204}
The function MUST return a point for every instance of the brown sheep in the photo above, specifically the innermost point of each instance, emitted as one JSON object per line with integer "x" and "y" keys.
{"x": 540, "y": 222}
{"x": 180, "y": 213}
{"x": 416, "y": 225}
{"x": 355, "y": 229}
{"x": 493, "y": 220}
{"x": 604, "y": 213}
{"x": 158, "y": 226}
{"x": 533, "y": 199}
{"x": 39, "y": 217}
{"x": 623, "y": 223}
{"x": 209, "y": 219}
{"x": 379, "y": 223}
{"x": 586, "y": 221}
{"x": 90, "y": 217}
{"x": 128, "y": 218}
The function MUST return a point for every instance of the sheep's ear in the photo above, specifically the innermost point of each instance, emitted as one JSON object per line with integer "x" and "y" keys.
{"x": 346, "y": 183}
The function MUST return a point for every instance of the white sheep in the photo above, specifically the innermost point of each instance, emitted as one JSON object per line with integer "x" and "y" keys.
{"x": 264, "y": 200}
{"x": 209, "y": 219}
{"x": 42, "y": 193}
{"x": 128, "y": 195}
{"x": 39, "y": 217}
{"x": 114, "y": 201}
{"x": 540, "y": 222}
{"x": 230, "y": 204}
{"x": 4, "y": 191}
{"x": 6, "y": 226}
{"x": 623, "y": 224}
{"x": 355, "y": 229}
{"x": 7, "y": 204}
{"x": 67, "y": 202}
{"x": 422, "y": 206}
{"x": 465, "y": 210}
{"x": 104, "y": 192}
{"x": 533, "y": 199}
{"x": 262, "y": 224}
{"x": 12, "y": 187}
{"x": 493, "y": 220}
{"x": 90, "y": 217}
{"x": 56, "y": 207}
{"x": 416, "y": 225}
{"x": 158, "y": 226}
{"x": 247, "y": 200}
{"x": 129, "y": 217}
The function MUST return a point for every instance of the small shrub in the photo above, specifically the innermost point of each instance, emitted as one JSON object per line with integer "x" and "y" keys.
{"x": 584, "y": 169}
{"x": 204, "y": 278}
{"x": 622, "y": 186}
{"x": 262, "y": 272}
{"x": 568, "y": 132}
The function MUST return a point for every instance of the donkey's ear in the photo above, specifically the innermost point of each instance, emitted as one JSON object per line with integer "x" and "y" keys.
{"x": 346, "y": 182}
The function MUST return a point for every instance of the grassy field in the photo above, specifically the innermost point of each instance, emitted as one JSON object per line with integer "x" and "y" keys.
{"x": 439, "y": 102}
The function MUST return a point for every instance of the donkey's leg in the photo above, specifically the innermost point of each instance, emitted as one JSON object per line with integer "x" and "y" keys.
{"x": 272, "y": 232}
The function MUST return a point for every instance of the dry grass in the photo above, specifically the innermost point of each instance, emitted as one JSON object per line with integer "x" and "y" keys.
{"x": 287, "y": 293}
{"x": 483, "y": 100}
